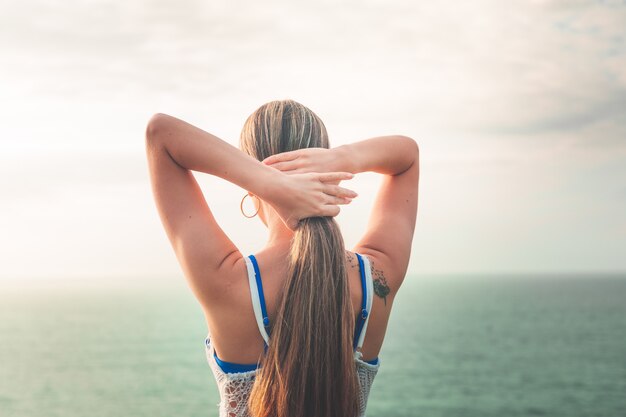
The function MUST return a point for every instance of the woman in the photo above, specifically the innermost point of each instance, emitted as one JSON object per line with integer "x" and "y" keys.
{"x": 287, "y": 326}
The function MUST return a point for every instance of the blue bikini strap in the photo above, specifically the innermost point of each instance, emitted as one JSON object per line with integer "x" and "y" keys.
{"x": 364, "y": 312}
{"x": 263, "y": 321}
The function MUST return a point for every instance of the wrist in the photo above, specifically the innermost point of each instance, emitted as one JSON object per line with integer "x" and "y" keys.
{"x": 347, "y": 161}
{"x": 268, "y": 183}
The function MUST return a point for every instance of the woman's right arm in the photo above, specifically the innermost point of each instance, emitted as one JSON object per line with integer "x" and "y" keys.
{"x": 389, "y": 234}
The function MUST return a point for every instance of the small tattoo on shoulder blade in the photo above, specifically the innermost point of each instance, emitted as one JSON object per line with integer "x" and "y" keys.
{"x": 350, "y": 257}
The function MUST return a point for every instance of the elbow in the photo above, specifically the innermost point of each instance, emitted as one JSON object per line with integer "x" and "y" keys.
{"x": 156, "y": 125}
{"x": 412, "y": 147}
{"x": 412, "y": 154}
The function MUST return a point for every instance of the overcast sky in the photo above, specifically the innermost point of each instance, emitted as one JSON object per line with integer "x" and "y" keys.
{"x": 518, "y": 108}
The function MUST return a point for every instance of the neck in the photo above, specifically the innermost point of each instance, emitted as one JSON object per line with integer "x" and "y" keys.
{"x": 279, "y": 234}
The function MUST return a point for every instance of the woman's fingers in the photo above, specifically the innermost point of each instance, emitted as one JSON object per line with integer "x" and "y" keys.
{"x": 280, "y": 157}
{"x": 284, "y": 166}
{"x": 334, "y": 176}
{"x": 339, "y": 200}
{"x": 330, "y": 210}
{"x": 335, "y": 200}
{"x": 318, "y": 193}
{"x": 338, "y": 191}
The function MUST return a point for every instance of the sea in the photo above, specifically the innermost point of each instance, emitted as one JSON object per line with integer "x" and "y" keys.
{"x": 456, "y": 346}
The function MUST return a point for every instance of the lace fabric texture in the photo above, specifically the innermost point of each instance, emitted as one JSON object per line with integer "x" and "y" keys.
{"x": 366, "y": 373}
{"x": 235, "y": 388}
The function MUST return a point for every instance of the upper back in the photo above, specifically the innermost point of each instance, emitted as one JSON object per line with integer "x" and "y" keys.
{"x": 232, "y": 323}
{"x": 235, "y": 381}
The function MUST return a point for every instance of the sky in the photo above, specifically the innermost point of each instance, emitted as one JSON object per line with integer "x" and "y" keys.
{"x": 518, "y": 107}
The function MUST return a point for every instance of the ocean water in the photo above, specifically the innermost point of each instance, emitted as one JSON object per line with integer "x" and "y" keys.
{"x": 456, "y": 346}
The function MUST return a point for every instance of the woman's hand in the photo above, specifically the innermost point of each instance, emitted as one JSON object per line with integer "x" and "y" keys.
{"x": 309, "y": 160}
{"x": 313, "y": 194}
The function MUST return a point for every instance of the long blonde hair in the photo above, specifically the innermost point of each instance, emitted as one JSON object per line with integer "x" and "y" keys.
{"x": 308, "y": 370}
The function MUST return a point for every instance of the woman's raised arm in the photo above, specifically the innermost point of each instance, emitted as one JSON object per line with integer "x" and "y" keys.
{"x": 175, "y": 148}
{"x": 389, "y": 234}
{"x": 391, "y": 224}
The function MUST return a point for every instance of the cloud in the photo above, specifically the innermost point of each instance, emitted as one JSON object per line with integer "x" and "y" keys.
{"x": 518, "y": 108}
{"x": 516, "y": 67}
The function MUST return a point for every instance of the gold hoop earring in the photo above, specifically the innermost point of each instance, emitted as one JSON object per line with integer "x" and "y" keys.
{"x": 241, "y": 208}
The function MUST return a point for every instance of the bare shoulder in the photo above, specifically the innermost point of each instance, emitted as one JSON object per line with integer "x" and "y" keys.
{"x": 228, "y": 283}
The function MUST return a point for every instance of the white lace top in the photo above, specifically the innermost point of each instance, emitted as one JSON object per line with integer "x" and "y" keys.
{"x": 235, "y": 387}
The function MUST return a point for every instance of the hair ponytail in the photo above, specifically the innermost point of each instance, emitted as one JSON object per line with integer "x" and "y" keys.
{"x": 309, "y": 370}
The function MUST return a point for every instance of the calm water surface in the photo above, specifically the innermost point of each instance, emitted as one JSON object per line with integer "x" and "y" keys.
{"x": 456, "y": 346}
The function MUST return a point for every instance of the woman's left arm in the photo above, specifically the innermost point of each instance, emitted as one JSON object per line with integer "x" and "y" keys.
{"x": 175, "y": 148}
